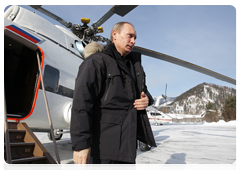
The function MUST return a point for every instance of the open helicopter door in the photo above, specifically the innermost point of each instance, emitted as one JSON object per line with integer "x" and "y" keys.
{"x": 21, "y": 75}
{"x": 23, "y": 62}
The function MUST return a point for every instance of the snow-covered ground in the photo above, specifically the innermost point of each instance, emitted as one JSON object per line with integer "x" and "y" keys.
{"x": 205, "y": 146}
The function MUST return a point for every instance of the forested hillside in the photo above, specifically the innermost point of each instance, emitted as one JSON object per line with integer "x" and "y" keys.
{"x": 194, "y": 100}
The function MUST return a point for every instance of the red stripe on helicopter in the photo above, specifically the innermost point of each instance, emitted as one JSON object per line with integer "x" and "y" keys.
{"x": 23, "y": 33}
{"x": 159, "y": 119}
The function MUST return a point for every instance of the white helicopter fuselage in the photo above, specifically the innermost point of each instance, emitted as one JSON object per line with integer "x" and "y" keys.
{"x": 158, "y": 117}
{"x": 60, "y": 62}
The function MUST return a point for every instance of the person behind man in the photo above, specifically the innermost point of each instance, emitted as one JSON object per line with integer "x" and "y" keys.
{"x": 110, "y": 98}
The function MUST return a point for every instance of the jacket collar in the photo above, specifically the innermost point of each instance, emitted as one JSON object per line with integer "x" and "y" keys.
{"x": 111, "y": 50}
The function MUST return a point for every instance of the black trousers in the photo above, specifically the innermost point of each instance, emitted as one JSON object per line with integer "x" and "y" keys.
{"x": 98, "y": 164}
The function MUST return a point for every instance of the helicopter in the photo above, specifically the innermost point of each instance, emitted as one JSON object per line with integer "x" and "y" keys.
{"x": 28, "y": 35}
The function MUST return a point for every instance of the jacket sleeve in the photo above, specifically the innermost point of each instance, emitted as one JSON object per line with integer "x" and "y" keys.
{"x": 150, "y": 99}
{"x": 144, "y": 130}
{"x": 144, "y": 88}
{"x": 87, "y": 88}
{"x": 136, "y": 59}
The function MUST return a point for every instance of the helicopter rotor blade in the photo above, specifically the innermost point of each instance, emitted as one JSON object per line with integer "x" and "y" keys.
{"x": 121, "y": 10}
{"x": 51, "y": 15}
{"x": 183, "y": 63}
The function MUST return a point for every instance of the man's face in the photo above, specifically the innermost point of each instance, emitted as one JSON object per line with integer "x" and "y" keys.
{"x": 125, "y": 39}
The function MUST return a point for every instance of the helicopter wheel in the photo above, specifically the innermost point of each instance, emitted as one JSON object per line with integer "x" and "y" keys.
{"x": 57, "y": 135}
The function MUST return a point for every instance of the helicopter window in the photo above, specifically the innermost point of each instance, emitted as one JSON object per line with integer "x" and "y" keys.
{"x": 155, "y": 114}
{"x": 51, "y": 78}
{"x": 80, "y": 46}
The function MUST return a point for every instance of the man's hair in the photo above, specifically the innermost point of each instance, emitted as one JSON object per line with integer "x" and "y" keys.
{"x": 118, "y": 27}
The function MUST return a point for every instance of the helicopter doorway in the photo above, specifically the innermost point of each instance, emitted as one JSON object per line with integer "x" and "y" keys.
{"x": 20, "y": 78}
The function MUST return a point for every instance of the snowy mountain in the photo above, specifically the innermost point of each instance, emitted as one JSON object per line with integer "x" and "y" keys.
{"x": 193, "y": 101}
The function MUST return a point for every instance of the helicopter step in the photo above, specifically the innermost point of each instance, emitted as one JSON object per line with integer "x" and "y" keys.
{"x": 25, "y": 146}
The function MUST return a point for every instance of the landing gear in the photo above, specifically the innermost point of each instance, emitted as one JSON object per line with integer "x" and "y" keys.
{"x": 57, "y": 134}
{"x": 144, "y": 147}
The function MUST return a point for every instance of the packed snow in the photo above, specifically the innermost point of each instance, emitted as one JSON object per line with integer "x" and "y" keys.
{"x": 203, "y": 146}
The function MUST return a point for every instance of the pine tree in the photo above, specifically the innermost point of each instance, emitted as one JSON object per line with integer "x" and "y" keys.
{"x": 209, "y": 106}
{"x": 229, "y": 109}
{"x": 211, "y": 116}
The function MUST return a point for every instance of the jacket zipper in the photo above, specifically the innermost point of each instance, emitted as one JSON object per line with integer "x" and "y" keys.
{"x": 143, "y": 79}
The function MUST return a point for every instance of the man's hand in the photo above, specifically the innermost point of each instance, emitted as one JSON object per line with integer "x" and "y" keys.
{"x": 82, "y": 157}
{"x": 142, "y": 103}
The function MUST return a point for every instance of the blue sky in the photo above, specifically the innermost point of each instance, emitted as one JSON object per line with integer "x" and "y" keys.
{"x": 201, "y": 34}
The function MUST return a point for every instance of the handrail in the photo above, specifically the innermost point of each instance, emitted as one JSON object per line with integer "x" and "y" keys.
{"x": 48, "y": 112}
{"x": 7, "y": 139}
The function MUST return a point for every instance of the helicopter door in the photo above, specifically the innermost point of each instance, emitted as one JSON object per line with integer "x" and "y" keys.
{"x": 20, "y": 78}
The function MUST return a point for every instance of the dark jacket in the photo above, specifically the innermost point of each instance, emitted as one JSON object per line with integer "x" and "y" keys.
{"x": 103, "y": 115}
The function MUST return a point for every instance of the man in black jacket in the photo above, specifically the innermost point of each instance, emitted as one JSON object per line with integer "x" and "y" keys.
{"x": 110, "y": 98}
